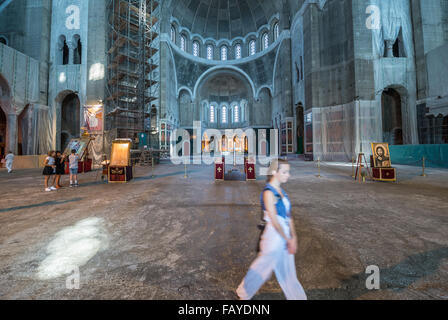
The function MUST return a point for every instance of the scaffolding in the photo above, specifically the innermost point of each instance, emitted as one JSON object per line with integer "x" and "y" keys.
{"x": 133, "y": 56}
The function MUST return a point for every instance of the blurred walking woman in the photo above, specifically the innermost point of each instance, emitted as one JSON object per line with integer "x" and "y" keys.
{"x": 278, "y": 243}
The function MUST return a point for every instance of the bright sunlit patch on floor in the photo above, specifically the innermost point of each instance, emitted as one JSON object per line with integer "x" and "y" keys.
{"x": 72, "y": 248}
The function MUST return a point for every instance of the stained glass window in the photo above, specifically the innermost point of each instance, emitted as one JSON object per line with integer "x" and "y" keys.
{"x": 238, "y": 51}
{"x": 252, "y": 48}
{"x": 209, "y": 52}
{"x": 223, "y": 53}
{"x": 196, "y": 49}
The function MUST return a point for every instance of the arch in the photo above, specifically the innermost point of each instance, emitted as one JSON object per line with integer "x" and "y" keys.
{"x": 265, "y": 40}
{"x": 217, "y": 69}
{"x": 196, "y": 48}
{"x": 3, "y": 40}
{"x": 238, "y": 50}
{"x": 210, "y": 51}
{"x": 269, "y": 88}
{"x": 252, "y": 47}
{"x": 70, "y": 121}
{"x": 183, "y": 42}
{"x": 184, "y": 88}
{"x": 173, "y": 32}
{"x": 393, "y": 99}
{"x": 224, "y": 52}
{"x": 63, "y": 51}
{"x": 300, "y": 127}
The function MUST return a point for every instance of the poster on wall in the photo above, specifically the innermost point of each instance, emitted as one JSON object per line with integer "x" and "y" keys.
{"x": 381, "y": 155}
{"x": 93, "y": 119}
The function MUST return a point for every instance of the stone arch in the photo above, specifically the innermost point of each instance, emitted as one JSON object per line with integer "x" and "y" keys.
{"x": 63, "y": 51}
{"x": 69, "y": 122}
{"x": 224, "y": 86}
{"x": 393, "y": 102}
{"x": 220, "y": 69}
{"x": 186, "y": 111}
{"x": 3, "y": 40}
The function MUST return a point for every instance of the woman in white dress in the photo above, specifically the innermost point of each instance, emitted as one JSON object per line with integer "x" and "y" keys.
{"x": 278, "y": 243}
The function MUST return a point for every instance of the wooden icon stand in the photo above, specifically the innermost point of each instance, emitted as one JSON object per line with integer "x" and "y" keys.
{"x": 362, "y": 161}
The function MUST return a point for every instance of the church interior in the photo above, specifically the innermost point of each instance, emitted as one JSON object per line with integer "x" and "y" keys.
{"x": 175, "y": 109}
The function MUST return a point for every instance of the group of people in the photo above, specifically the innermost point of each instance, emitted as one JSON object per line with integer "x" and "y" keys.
{"x": 55, "y": 167}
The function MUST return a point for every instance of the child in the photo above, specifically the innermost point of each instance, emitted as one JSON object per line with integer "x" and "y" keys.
{"x": 49, "y": 170}
{"x": 73, "y": 165}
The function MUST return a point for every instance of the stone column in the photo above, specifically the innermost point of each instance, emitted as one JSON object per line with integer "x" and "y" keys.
{"x": 11, "y": 134}
{"x": 389, "y": 48}
{"x": 72, "y": 45}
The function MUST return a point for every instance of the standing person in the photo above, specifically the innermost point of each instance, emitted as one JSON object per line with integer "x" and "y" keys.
{"x": 49, "y": 170}
{"x": 73, "y": 165}
{"x": 278, "y": 243}
{"x": 60, "y": 169}
{"x": 9, "y": 161}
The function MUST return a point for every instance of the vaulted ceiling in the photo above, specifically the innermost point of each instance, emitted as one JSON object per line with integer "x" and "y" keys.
{"x": 220, "y": 19}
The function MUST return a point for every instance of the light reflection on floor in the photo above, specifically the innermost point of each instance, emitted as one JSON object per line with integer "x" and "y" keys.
{"x": 72, "y": 248}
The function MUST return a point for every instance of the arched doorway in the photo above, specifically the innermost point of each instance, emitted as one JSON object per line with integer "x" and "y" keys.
{"x": 70, "y": 119}
{"x": 300, "y": 138}
{"x": 2, "y": 134}
{"x": 391, "y": 105}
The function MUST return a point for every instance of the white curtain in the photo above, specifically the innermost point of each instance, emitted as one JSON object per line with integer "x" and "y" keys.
{"x": 394, "y": 15}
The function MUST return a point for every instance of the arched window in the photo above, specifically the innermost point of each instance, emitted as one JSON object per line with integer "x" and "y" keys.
{"x": 196, "y": 49}
{"x": 276, "y": 31}
{"x": 77, "y": 52}
{"x": 223, "y": 53}
{"x": 238, "y": 51}
{"x": 183, "y": 43}
{"x": 3, "y": 40}
{"x": 65, "y": 53}
{"x": 209, "y": 52}
{"x": 236, "y": 114}
{"x": 212, "y": 114}
{"x": 252, "y": 48}
{"x": 265, "y": 41}
{"x": 224, "y": 114}
{"x": 173, "y": 34}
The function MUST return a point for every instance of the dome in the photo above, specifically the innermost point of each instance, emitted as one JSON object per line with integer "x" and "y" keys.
{"x": 223, "y": 19}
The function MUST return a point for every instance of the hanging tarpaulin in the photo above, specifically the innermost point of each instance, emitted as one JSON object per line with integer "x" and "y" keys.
{"x": 394, "y": 17}
{"x": 93, "y": 119}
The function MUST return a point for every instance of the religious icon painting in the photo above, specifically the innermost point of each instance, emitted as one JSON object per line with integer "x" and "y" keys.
{"x": 381, "y": 155}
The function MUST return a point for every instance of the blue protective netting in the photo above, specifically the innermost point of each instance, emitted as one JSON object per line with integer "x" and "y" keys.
{"x": 436, "y": 155}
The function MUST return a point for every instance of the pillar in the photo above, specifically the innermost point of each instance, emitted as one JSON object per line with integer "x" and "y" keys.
{"x": 11, "y": 134}
{"x": 389, "y": 48}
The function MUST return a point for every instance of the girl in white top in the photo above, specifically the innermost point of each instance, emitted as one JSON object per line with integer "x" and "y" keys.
{"x": 49, "y": 170}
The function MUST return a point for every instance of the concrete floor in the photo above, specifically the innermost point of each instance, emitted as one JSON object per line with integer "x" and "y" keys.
{"x": 173, "y": 238}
